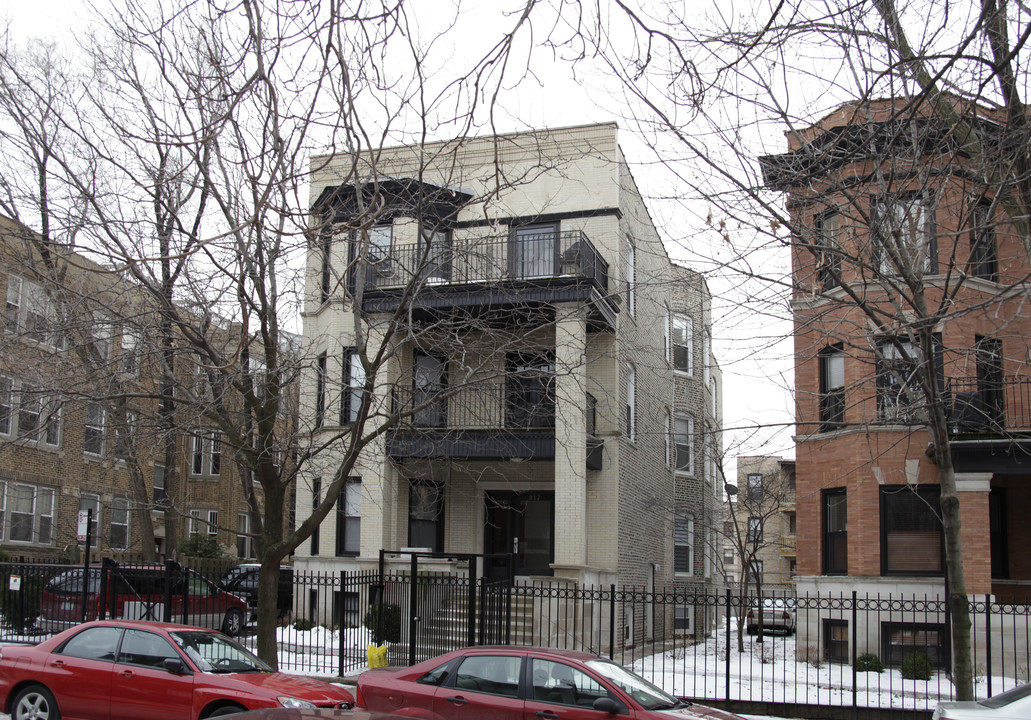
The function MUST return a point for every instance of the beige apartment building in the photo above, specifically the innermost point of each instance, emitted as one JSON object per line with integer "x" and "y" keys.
{"x": 550, "y": 367}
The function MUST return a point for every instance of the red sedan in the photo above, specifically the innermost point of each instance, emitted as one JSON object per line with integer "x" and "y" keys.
{"x": 128, "y": 670}
{"x": 514, "y": 683}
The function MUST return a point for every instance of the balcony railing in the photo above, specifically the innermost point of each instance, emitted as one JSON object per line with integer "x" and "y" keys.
{"x": 979, "y": 406}
{"x": 484, "y": 407}
{"x": 489, "y": 261}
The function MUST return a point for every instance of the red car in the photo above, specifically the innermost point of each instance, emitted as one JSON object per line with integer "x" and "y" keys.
{"x": 513, "y": 683}
{"x": 132, "y": 670}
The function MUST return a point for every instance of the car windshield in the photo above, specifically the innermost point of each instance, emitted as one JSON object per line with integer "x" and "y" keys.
{"x": 1004, "y": 699}
{"x": 215, "y": 653}
{"x": 649, "y": 696}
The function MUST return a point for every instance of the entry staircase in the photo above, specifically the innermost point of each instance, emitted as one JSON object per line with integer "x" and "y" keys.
{"x": 448, "y": 628}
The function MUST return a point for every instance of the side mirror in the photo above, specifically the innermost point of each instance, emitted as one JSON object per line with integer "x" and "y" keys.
{"x": 606, "y": 705}
{"x": 174, "y": 666}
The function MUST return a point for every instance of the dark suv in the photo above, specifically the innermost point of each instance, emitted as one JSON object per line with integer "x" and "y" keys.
{"x": 137, "y": 591}
{"x": 242, "y": 580}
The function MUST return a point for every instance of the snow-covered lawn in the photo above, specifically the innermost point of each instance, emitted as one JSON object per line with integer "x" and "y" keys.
{"x": 769, "y": 671}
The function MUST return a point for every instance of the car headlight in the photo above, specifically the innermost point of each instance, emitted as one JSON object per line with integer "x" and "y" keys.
{"x": 292, "y": 702}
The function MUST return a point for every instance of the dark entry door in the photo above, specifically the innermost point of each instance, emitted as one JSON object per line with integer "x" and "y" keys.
{"x": 521, "y": 523}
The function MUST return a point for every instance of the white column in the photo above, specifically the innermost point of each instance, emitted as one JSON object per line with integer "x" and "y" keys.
{"x": 570, "y": 440}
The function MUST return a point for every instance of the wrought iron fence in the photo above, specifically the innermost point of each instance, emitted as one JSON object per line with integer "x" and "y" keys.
{"x": 853, "y": 651}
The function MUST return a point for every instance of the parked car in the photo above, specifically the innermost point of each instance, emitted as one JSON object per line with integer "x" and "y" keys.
{"x": 242, "y": 580}
{"x": 136, "y": 591}
{"x": 1013, "y": 704}
{"x": 127, "y": 670}
{"x": 515, "y": 682}
{"x": 778, "y": 615}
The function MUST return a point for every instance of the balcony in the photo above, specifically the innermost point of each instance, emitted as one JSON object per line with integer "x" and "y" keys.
{"x": 493, "y": 421}
{"x": 990, "y": 423}
{"x": 495, "y": 273}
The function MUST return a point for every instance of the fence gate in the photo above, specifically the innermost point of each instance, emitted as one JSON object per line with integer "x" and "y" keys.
{"x": 446, "y": 612}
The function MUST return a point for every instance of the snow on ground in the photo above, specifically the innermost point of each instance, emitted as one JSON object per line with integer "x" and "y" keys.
{"x": 769, "y": 671}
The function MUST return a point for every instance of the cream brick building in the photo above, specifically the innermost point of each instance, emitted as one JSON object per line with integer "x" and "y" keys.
{"x": 549, "y": 367}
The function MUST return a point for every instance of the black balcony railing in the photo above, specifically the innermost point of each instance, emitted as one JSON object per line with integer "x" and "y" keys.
{"x": 977, "y": 406}
{"x": 490, "y": 260}
{"x": 482, "y": 407}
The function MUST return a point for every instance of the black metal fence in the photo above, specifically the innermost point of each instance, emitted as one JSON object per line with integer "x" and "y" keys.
{"x": 852, "y": 651}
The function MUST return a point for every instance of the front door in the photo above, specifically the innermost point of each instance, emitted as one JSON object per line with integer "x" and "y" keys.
{"x": 521, "y": 523}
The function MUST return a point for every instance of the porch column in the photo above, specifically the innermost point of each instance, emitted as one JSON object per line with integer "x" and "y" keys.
{"x": 975, "y": 523}
{"x": 570, "y": 441}
{"x": 379, "y": 479}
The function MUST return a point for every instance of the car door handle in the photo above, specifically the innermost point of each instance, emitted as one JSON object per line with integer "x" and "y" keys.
{"x": 545, "y": 714}
{"x": 457, "y": 700}
{"x": 127, "y": 673}
{"x": 57, "y": 663}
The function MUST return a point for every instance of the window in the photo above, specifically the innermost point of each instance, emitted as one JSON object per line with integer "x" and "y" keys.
{"x": 39, "y": 417}
{"x": 555, "y": 682}
{"x": 97, "y": 643}
{"x": 706, "y": 356}
{"x": 900, "y": 639}
{"x": 667, "y": 337}
{"x": 326, "y": 274}
{"x": 707, "y": 553}
{"x": 683, "y": 343}
{"x": 669, "y": 437}
{"x": 530, "y": 390}
{"x": 91, "y": 503}
{"x": 349, "y": 517}
{"x": 103, "y": 332}
{"x": 6, "y": 404}
{"x": 827, "y": 248}
{"x": 683, "y": 437}
{"x": 125, "y": 437}
{"x": 426, "y": 515}
{"x": 354, "y": 387}
{"x": 130, "y": 350}
{"x": 755, "y": 487}
{"x": 755, "y": 530}
{"x": 204, "y": 522}
{"x": 903, "y": 235}
{"x": 316, "y": 493}
{"x": 683, "y": 544}
{"x": 835, "y": 532}
{"x": 683, "y": 619}
{"x": 984, "y": 259}
{"x": 988, "y": 356}
{"x": 145, "y": 649}
{"x": 160, "y": 496}
{"x": 93, "y": 442}
{"x": 911, "y": 534}
{"x": 320, "y": 390}
{"x": 755, "y": 572}
{"x": 206, "y": 456}
{"x": 429, "y": 381}
{"x": 494, "y": 674}
{"x": 380, "y": 239}
{"x": 435, "y": 255}
{"x": 631, "y": 279}
{"x": 29, "y": 311}
{"x": 31, "y": 513}
{"x": 835, "y": 640}
{"x": 728, "y": 556}
{"x": 631, "y": 402}
{"x": 120, "y": 523}
{"x": 244, "y": 541}
{"x": 832, "y": 388}
{"x": 372, "y": 245}
{"x": 900, "y": 397}
{"x": 534, "y": 251}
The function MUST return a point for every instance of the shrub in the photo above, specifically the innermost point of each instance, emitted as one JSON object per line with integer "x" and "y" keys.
{"x": 917, "y": 666}
{"x": 868, "y": 662}
{"x": 389, "y": 618}
{"x": 201, "y": 546}
{"x": 303, "y": 624}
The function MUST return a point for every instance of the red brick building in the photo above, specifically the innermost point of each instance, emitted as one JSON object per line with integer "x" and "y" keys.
{"x": 896, "y": 232}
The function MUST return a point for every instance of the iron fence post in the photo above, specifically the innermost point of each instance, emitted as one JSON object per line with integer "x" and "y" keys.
{"x": 413, "y": 608}
{"x": 726, "y": 660}
{"x": 340, "y": 632}
{"x": 988, "y": 638}
{"x": 855, "y": 640}
{"x": 470, "y": 628}
{"x": 612, "y": 621}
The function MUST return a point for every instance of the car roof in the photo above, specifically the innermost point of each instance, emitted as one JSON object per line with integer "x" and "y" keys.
{"x": 146, "y": 624}
{"x": 524, "y": 650}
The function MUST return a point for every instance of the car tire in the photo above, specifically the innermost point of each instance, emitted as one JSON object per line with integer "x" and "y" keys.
{"x": 226, "y": 711}
{"x": 232, "y": 623}
{"x": 35, "y": 703}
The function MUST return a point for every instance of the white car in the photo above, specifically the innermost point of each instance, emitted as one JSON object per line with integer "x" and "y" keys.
{"x": 778, "y": 616}
{"x": 1013, "y": 704}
